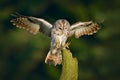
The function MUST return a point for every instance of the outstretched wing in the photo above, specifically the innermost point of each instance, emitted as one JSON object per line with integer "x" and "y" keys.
{"x": 83, "y": 28}
{"x": 32, "y": 24}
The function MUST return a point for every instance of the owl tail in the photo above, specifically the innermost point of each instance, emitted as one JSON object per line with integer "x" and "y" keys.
{"x": 54, "y": 58}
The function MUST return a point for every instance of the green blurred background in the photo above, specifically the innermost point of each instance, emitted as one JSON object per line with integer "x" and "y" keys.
{"x": 22, "y": 55}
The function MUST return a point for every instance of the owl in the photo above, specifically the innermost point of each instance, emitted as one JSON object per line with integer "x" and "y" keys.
{"x": 59, "y": 32}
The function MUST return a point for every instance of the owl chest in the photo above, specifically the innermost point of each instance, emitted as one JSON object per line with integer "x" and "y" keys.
{"x": 58, "y": 36}
{"x": 62, "y": 39}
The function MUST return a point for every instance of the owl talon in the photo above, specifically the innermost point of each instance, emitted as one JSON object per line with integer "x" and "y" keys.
{"x": 67, "y": 45}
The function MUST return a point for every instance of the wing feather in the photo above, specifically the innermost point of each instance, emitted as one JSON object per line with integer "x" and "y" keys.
{"x": 32, "y": 24}
{"x": 83, "y": 28}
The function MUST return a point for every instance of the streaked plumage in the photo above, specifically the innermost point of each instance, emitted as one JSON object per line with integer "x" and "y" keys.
{"x": 59, "y": 32}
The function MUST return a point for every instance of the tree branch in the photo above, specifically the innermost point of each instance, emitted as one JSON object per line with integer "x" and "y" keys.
{"x": 69, "y": 66}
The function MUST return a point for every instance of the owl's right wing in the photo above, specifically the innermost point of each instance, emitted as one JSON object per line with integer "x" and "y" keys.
{"x": 83, "y": 28}
{"x": 32, "y": 24}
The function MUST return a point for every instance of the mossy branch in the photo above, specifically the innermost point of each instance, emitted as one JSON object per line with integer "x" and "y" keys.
{"x": 69, "y": 66}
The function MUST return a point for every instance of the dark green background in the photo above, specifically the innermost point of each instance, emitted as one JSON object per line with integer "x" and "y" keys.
{"x": 22, "y": 54}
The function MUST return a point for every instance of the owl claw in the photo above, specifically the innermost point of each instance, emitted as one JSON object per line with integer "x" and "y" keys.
{"x": 67, "y": 45}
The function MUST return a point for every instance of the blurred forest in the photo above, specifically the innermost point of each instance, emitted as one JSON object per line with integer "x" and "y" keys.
{"x": 22, "y": 55}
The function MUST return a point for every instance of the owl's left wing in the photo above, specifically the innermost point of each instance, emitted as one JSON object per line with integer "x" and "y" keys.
{"x": 32, "y": 24}
{"x": 83, "y": 28}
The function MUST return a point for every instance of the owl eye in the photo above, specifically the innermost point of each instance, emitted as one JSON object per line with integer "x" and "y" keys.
{"x": 60, "y": 28}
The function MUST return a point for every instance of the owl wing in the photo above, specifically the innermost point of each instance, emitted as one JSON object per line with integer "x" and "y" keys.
{"x": 83, "y": 28}
{"x": 32, "y": 24}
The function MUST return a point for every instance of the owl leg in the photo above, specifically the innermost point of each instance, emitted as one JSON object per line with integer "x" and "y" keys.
{"x": 67, "y": 45}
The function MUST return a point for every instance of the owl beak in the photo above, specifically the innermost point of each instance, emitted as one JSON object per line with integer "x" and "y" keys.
{"x": 63, "y": 32}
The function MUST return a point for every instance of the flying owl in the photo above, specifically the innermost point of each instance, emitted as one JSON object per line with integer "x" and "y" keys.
{"x": 58, "y": 32}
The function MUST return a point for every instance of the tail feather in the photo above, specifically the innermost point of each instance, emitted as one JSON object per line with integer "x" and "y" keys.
{"x": 53, "y": 58}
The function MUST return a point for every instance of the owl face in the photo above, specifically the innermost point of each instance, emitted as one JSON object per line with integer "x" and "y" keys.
{"x": 62, "y": 26}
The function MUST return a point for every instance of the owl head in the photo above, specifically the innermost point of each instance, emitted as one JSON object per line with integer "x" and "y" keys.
{"x": 62, "y": 24}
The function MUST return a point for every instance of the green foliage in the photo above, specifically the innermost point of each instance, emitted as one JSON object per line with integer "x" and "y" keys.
{"x": 22, "y": 54}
